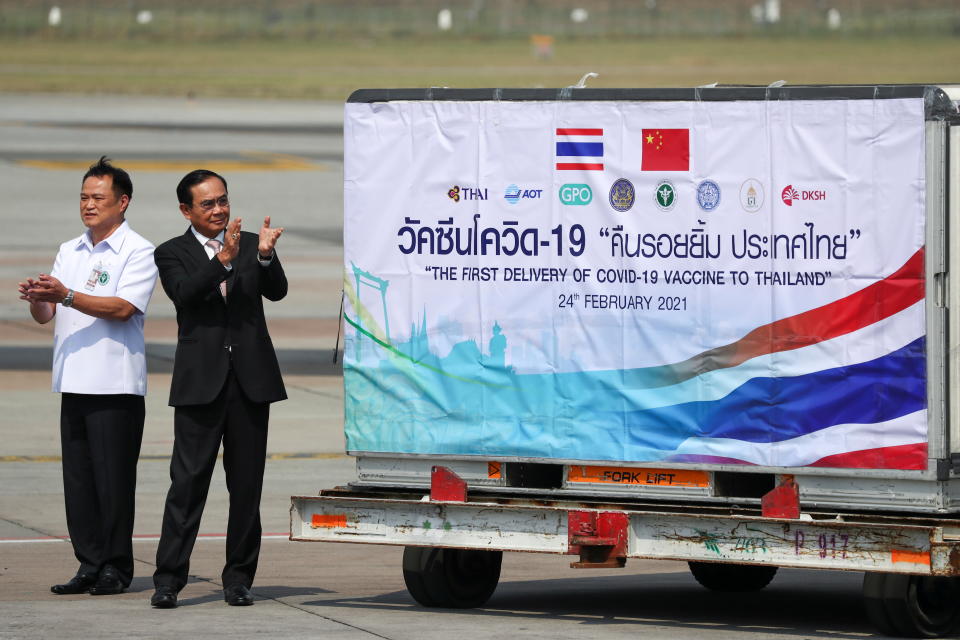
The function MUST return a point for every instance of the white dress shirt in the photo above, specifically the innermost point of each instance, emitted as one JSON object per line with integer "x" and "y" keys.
{"x": 94, "y": 355}
{"x": 203, "y": 240}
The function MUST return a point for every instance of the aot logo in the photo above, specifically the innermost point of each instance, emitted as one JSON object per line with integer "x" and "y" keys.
{"x": 789, "y": 195}
{"x": 514, "y": 194}
{"x": 576, "y": 194}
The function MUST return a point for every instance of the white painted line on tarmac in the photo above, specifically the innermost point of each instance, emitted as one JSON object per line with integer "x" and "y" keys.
{"x": 25, "y": 540}
{"x": 145, "y": 538}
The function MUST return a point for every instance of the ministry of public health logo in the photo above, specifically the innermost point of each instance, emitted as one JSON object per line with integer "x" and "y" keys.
{"x": 708, "y": 195}
{"x": 622, "y": 195}
{"x": 665, "y": 195}
{"x": 751, "y": 195}
{"x": 104, "y": 278}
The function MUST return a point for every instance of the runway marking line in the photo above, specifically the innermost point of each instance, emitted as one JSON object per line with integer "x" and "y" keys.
{"x": 270, "y": 456}
{"x": 257, "y": 161}
{"x": 149, "y": 537}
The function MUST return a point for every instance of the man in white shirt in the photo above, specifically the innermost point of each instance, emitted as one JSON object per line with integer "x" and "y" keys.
{"x": 98, "y": 291}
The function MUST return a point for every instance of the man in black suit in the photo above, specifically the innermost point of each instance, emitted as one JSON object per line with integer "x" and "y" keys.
{"x": 225, "y": 375}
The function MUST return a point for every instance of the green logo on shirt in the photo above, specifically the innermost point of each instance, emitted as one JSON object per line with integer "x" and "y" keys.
{"x": 104, "y": 278}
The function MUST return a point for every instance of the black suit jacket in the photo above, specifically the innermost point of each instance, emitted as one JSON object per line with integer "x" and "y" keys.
{"x": 207, "y": 324}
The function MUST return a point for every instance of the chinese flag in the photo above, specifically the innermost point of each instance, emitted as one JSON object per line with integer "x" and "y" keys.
{"x": 666, "y": 150}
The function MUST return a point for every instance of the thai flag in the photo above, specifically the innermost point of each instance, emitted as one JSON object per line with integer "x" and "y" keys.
{"x": 580, "y": 149}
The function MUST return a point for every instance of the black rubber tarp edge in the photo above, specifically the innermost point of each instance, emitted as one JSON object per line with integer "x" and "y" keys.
{"x": 937, "y": 104}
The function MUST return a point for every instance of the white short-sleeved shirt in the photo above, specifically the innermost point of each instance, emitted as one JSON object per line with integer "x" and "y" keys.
{"x": 94, "y": 355}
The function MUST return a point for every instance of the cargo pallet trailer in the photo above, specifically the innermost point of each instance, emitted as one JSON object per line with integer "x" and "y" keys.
{"x": 455, "y": 512}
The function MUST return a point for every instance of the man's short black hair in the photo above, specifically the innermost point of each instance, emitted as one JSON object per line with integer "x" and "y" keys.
{"x": 122, "y": 185}
{"x": 192, "y": 179}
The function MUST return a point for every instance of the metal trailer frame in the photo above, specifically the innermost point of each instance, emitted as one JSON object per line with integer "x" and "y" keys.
{"x": 734, "y": 525}
{"x": 665, "y": 531}
{"x": 454, "y": 539}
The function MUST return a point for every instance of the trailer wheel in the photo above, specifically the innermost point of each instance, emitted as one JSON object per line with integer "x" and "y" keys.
{"x": 912, "y": 606}
{"x": 720, "y": 576}
{"x": 451, "y": 578}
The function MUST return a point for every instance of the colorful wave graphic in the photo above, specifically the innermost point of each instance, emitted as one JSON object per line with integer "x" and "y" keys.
{"x": 875, "y": 302}
{"x": 840, "y": 385}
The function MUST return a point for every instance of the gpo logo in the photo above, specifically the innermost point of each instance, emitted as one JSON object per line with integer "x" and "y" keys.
{"x": 576, "y": 194}
{"x": 789, "y": 195}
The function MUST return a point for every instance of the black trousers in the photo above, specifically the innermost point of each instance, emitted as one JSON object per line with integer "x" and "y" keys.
{"x": 100, "y": 439}
{"x": 198, "y": 431}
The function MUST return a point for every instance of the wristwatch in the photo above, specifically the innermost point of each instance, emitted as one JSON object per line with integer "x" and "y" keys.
{"x": 68, "y": 300}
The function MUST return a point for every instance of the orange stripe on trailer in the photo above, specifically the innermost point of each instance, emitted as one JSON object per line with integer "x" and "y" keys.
{"x": 915, "y": 557}
{"x": 493, "y": 470}
{"x": 328, "y": 521}
{"x": 634, "y": 475}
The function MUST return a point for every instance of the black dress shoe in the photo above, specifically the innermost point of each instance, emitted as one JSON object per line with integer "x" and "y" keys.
{"x": 237, "y": 596}
{"x": 79, "y": 583}
{"x": 164, "y": 598}
{"x": 108, "y": 583}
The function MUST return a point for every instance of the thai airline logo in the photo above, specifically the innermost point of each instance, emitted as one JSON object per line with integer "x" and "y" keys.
{"x": 579, "y": 149}
{"x": 458, "y": 193}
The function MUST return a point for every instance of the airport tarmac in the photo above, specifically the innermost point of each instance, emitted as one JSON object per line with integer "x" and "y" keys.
{"x": 282, "y": 159}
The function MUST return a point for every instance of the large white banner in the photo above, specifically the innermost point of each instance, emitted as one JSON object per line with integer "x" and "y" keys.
{"x": 637, "y": 281}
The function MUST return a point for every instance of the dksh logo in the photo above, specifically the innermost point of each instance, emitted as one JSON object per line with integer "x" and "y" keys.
{"x": 789, "y": 195}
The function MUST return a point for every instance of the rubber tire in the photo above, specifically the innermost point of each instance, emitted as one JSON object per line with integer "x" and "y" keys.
{"x": 912, "y": 606}
{"x": 415, "y": 563}
{"x": 721, "y": 576}
{"x": 451, "y": 578}
{"x": 873, "y": 603}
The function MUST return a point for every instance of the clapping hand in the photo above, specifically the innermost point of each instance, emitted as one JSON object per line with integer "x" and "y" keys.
{"x": 231, "y": 242}
{"x": 45, "y": 288}
{"x": 268, "y": 238}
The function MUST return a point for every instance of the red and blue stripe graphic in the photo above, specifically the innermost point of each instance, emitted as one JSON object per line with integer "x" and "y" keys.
{"x": 842, "y": 385}
{"x": 580, "y": 149}
{"x": 867, "y": 306}
{"x": 826, "y": 418}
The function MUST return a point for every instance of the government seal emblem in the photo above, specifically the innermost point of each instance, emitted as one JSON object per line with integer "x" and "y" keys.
{"x": 708, "y": 195}
{"x": 751, "y": 195}
{"x": 622, "y": 195}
